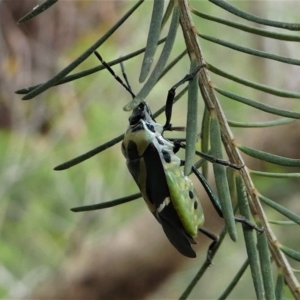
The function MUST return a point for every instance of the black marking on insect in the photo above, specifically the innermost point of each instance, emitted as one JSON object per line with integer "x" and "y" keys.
{"x": 166, "y": 156}
{"x": 191, "y": 194}
{"x": 195, "y": 204}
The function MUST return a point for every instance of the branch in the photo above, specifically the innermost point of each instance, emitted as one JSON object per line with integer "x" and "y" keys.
{"x": 212, "y": 104}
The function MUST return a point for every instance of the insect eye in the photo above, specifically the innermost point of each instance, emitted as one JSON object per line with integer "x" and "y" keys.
{"x": 135, "y": 118}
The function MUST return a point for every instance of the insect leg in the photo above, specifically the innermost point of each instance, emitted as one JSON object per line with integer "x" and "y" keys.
{"x": 125, "y": 76}
{"x": 171, "y": 95}
{"x": 220, "y": 161}
{"x": 178, "y": 144}
{"x": 213, "y": 244}
{"x": 211, "y": 194}
{"x": 215, "y": 201}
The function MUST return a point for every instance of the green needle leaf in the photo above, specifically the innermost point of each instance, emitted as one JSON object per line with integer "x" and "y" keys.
{"x": 255, "y": 85}
{"x": 284, "y": 211}
{"x": 153, "y": 36}
{"x": 250, "y": 240}
{"x": 168, "y": 46}
{"x": 221, "y": 179}
{"x": 172, "y": 64}
{"x": 275, "y": 175}
{"x": 259, "y": 105}
{"x": 290, "y": 252}
{"x": 230, "y": 8}
{"x": 282, "y": 223}
{"x": 205, "y": 129}
{"x": 89, "y": 154}
{"x": 248, "y": 28}
{"x": 167, "y": 14}
{"x": 251, "y": 51}
{"x": 265, "y": 263}
{"x": 271, "y": 158}
{"x": 107, "y": 204}
{"x": 277, "y": 122}
{"x": 91, "y": 70}
{"x": 191, "y": 123}
{"x": 37, "y": 10}
{"x": 279, "y": 285}
{"x": 82, "y": 57}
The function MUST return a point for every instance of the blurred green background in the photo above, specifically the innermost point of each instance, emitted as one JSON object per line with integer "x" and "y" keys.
{"x": 38, "y": 230}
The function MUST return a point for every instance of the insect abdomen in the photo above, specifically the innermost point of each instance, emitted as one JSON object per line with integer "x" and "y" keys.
{"x": 185, "y": 202}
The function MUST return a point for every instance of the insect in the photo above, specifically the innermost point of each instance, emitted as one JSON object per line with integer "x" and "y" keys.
{"x": 151, "y": 159}
{"x": 169, "y": 194}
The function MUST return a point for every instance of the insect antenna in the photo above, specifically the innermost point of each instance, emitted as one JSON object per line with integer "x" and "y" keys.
{"x": 126, "y": 78}
{"x": 111, "y": 71}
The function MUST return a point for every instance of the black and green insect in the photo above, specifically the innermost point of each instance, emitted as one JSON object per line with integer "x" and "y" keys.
{"x": 152, "y": 162}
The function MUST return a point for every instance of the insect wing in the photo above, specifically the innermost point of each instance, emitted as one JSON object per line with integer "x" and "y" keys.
{"x": 175, "y": 232}
{"x": 144, "y": 164}
{"x": 158, "y": 194}
{"x": 149, "y": 175}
